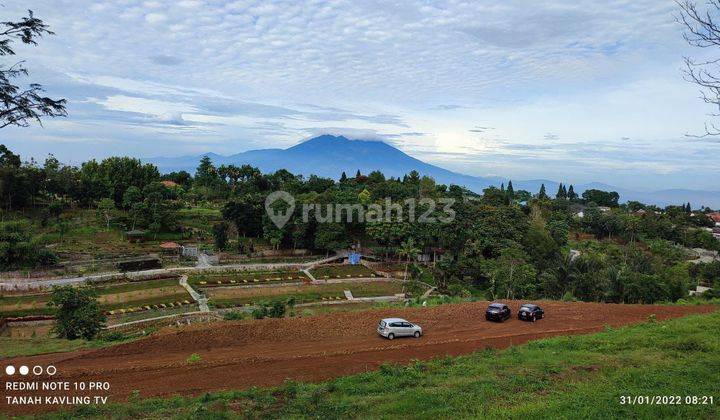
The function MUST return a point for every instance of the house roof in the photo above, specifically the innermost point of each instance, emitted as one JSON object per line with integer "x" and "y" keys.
{"x": 169, "y": 184}
{"x": 170, "y": 245}
{"x": 715, "y": 216}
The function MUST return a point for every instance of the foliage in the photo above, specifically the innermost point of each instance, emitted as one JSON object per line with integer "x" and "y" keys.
{"x": 220, "y": 235}
{"x": 18, "y": 249}
{"x": 77, "y": 312}
{"x": 20, "y": 106}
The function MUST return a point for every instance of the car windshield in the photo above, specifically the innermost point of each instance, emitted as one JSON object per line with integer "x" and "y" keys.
{"x": 528, "y": 307}
{"x": 382, "y": 323}
{"x": 495, "y": 306}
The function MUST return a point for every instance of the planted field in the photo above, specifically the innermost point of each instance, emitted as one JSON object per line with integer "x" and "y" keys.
{"x": 246, "y": 277}
{"x": 304, "y": 293}
{"x": 336, "y": 271}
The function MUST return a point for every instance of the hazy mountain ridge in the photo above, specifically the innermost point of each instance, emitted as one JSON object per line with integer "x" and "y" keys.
{"x": 329, "y": 156}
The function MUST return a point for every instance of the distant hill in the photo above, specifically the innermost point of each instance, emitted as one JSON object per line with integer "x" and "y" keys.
{"x": 329, "y": 156}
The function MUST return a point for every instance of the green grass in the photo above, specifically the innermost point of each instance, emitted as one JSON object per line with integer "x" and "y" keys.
{"x": 341, "y": 271}
{"x": 312, "y": 294}
{"x": 11, "y": 347}
{"x": 210, "y": 280}
{"x": 563, "y": 377}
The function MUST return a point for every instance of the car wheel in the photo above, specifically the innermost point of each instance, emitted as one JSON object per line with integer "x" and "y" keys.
{"x": 417, "y": 334}
{"x": 391, "y": 336}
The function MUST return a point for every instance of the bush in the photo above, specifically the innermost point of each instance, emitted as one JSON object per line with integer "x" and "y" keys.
{"x": 260, "y": 312}
{"x": 234, "y": 316}
{"x": 568, "y": 297}
{"x": 275, "y": 309}
{"x": 194, "y": 358}
{"x": 113, "y": 336}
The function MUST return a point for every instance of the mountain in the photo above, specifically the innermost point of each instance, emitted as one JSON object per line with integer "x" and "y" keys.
{"x": 328, "y": 156}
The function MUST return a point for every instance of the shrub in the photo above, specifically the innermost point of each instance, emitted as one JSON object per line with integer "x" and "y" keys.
{"x": 194, "y": 358}
{"x": 260, "y": 312}
{"x": 113, "y": 336}
{"x": 234, "y": 316}
{"x": 568, "y": 297}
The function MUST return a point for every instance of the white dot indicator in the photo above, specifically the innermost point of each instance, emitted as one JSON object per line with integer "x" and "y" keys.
{"x": 24, "y": 370}
{"x": 10, "y": 370}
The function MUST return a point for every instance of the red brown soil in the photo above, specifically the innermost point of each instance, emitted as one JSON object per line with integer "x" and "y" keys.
{"x": 237, "y": 355}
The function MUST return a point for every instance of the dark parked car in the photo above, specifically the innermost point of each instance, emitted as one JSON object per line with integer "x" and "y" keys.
{"x": 497, "y": 312}
{"x": 530, "y": 312}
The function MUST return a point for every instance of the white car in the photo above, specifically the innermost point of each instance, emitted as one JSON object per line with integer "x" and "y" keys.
{"x": 398, "y": 327}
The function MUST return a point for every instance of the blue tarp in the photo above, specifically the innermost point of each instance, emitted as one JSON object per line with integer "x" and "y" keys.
{"x": 354, "y": 258}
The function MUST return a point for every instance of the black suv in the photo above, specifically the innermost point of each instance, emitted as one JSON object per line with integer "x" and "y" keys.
{"x": 497, "y": 312}
{"x": 530, "y": 312}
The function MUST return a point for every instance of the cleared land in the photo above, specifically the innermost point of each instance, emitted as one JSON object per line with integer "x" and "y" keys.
{"x": 246, "y": 277}
{"x": 303, "y": 293}
{"x": 110, "y": 297}
{"x": 562, "y": 377}
{"x": 237, "y": 355}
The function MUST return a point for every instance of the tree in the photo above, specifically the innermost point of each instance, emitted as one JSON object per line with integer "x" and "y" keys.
{"x": 561, "y": 193}
{"x": 19, "y": 250}
{"x": 702, "y": 30}
{"x": 132, "y": 196}
{"x": 512, "y": 275}
{"x": 343, "y": 178}
{"x": 510, "y": 191}
{"x": 571, "y": 194}
{"x": 408, "y": 250}
{"x": 77, "y": 312}
{"x": 601, "y": 198}
{"x": 105, "y": 208}
{"x": 220, "y": 235}
{"x": 20, "y": 106}
{"x": 542, "y": 195}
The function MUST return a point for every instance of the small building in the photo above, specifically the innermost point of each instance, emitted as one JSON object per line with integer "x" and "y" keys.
{"x": 715, "y": 217}
{"x": 135, "y": 235}
{"x": 170, "y": 184}
{"x": 699, "y": 290}
{"x": 190, "y": 251}
{"x": 171, "y": 247}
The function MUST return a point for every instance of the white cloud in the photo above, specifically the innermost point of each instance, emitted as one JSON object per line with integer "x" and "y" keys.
{"x": 223, "y": 72}
{"x": 155, "y": 17}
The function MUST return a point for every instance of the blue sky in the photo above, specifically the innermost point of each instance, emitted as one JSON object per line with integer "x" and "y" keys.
{"x": 574, "y": 91}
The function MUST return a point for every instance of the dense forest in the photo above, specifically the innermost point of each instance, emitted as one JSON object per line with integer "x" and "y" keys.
{"x": 502, "y": 243}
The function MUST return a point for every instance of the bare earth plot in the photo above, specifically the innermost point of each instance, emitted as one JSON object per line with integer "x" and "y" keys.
{"x": 236, "y": 355}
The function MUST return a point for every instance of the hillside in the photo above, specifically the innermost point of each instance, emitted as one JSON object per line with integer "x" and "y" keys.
{"x": 563, "y": 377}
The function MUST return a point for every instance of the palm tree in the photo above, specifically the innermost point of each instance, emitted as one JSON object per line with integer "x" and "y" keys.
{"x": 408, "y": 250}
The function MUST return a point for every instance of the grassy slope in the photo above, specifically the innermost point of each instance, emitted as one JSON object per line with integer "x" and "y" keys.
{"x": 11, "y": 347}
{"x": 307, "y": 294}
{"x": 563, "y": 377}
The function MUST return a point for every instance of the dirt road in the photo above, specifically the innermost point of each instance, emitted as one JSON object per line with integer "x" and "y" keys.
{"x": 240, "y": 354}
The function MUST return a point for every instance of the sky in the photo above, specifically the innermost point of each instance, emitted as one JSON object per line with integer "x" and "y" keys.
{"x": 574, "y": 91}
